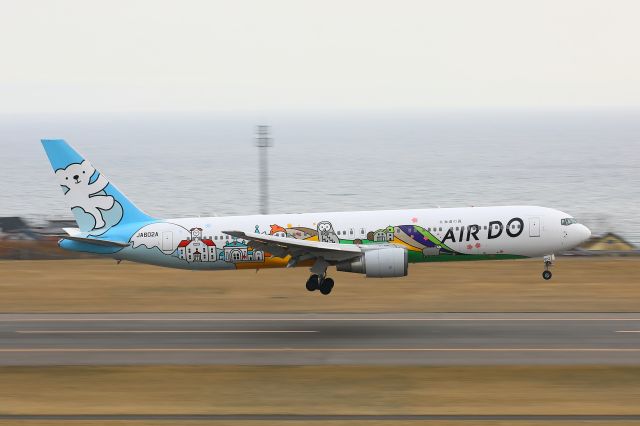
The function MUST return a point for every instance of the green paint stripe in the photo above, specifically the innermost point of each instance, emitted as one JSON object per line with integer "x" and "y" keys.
{"x": 420, "y": 258}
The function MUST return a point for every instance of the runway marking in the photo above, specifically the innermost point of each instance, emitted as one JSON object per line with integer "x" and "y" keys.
{"x": 628, "y": 331}
{"x": 306, "y": 319}
{"x": 157, "y": 331}
{"x": 44, "y": 350}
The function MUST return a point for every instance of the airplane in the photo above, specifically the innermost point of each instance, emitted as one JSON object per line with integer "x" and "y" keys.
{"x": 378, "y": 244}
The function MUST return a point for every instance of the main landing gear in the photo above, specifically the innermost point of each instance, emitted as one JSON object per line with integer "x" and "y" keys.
{"x": 548, "y": 262}
{"x": 316, "y": 282}
{"x": 319, "y": 280}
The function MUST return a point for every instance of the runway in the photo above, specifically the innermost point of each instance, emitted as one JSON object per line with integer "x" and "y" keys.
{"x": 303, "y": 339}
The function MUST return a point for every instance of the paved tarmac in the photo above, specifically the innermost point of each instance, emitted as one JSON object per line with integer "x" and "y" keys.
{"x": 297, "y": 339}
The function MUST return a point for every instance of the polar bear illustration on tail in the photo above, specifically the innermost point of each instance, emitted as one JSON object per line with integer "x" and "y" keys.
{"x": 81, "y": 192}
{"x": 97, "y": 205}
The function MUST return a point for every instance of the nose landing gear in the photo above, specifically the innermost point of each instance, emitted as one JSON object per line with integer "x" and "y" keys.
{"x": 548, "y": 262}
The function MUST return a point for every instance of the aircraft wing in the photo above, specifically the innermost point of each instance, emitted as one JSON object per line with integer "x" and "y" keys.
{"x": 299, "y": 249}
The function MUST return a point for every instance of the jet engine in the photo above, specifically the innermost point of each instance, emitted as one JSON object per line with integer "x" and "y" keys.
{"x": 379, "y": 263}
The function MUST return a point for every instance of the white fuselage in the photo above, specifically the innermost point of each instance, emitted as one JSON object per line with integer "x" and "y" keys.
{"x": 428, "y": 234}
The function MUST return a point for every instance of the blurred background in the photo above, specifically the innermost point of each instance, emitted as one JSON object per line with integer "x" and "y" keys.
{"x": 372, "y": 105}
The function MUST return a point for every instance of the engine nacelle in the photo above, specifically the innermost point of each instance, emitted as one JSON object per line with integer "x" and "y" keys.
{"x": 379, "y": 263}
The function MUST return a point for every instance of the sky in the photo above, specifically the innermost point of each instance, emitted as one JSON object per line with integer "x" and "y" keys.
{"x": 242, "y": 55}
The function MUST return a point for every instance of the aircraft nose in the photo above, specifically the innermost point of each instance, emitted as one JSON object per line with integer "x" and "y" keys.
{"x": 585, "y": 233}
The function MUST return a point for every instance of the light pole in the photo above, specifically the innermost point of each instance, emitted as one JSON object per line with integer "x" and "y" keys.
{"x": 263, "y": 141}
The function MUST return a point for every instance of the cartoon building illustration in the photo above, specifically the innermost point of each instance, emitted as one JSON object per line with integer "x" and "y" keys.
{"x": 384, "y": 235}
{"x": 197, "y": 249}
{"x": 255, "y": 255}
{"x": 237, "y": 251}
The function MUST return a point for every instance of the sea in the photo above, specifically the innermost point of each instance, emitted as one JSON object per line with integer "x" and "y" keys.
{"x": 586, "y": 162}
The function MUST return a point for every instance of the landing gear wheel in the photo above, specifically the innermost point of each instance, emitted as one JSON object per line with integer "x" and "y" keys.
{"x": 326, "y": 286}
{"x": 313, "y": 283}
{"x": 548, "y": 262}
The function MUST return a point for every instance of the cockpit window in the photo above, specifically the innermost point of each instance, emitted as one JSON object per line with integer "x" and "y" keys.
{"x": 568, "y": 221}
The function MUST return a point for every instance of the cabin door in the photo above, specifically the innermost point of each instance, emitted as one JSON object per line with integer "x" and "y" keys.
{"x": 167, "y": 241}
{"x": 534, "y": 226}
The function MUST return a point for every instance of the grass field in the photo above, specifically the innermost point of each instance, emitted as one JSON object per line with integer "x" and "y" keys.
{"x": 320, "y": 390}
{"x": 90, "y": 285}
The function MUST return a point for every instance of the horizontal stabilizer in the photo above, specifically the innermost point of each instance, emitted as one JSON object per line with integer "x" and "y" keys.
{"x": 97, "y": 242}
{"x": 74, "y": 232}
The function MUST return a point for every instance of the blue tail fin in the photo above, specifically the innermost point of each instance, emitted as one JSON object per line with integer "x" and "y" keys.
{"x": 95, "y": 202}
